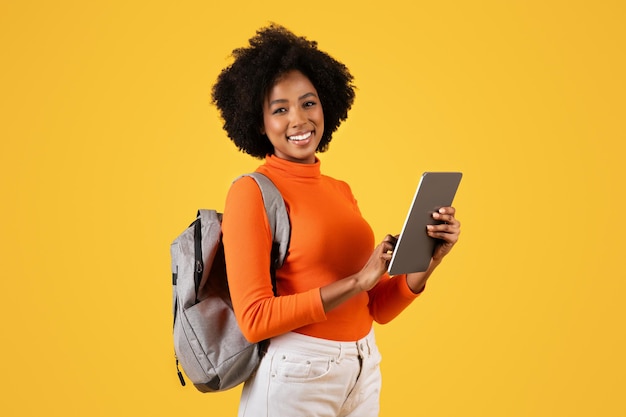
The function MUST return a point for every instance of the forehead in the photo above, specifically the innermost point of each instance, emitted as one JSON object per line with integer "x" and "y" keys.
{"x": 292, "y": 83}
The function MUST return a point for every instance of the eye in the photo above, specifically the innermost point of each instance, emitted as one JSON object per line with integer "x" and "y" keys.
{"x": 309, "y": 103}
{"x": 279, "y": 110}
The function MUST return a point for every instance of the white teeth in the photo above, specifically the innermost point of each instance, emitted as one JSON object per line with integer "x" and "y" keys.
{"x": 300, "y": 137}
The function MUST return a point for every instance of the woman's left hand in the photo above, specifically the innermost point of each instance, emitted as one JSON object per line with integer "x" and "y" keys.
{"x": 446, "y": 233}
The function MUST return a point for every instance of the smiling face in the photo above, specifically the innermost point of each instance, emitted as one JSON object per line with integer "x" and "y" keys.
{"x": 293, "y": 118}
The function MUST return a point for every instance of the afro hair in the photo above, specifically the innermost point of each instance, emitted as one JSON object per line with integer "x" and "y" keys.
{"x": 241, "y": 87}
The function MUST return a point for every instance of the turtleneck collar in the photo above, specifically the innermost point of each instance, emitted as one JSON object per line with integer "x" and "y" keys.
{"x": 294, "y": 169}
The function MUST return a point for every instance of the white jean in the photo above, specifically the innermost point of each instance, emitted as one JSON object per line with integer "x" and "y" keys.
{"x": 304, "y": 376}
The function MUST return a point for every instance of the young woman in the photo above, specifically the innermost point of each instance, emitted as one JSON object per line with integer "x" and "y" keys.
{"x": 281, "y": 100}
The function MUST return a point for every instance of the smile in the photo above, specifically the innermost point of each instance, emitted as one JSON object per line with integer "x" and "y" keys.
{"x": 297, "y": 138}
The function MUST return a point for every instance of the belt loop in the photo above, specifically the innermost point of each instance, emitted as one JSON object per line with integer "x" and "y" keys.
{"x": 365, "y": 347}
{"x": 360, "y": 347}
{"x": 340, "y": 356}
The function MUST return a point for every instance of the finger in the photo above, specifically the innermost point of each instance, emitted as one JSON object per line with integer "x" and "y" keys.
{"x": 442, "y": 226}
{"x": 391, "y": 239}
{"x": 447, "y": 210}
{"x": 446, "y": 218}
{"x": 445, "y": 238}
{"x": 443, "y": 231}
{"x": 387, "y": 247}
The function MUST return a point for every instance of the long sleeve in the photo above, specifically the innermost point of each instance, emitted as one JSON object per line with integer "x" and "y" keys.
{"x": 248, "y": 242}
{"x": 389, "y": 298}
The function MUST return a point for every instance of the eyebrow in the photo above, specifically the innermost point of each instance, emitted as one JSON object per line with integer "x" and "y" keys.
{"x": 282, "y": 100}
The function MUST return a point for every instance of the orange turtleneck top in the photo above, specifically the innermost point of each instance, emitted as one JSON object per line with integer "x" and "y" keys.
{"x": 330, "y": 240}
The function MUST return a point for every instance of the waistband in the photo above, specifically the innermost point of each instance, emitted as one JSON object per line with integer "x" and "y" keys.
{"x": 364, "y": 347}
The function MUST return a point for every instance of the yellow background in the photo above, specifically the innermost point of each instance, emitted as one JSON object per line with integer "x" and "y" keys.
{"x": 110, "y": 144}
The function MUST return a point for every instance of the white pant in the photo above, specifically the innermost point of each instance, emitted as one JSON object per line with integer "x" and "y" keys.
{"x": 304, "y": 376}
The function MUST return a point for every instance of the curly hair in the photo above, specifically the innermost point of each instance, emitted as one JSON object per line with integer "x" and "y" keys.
{"x": 241, "y": 87}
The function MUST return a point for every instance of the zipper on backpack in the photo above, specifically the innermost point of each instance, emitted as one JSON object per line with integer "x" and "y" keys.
{"x": 180, "y": 374}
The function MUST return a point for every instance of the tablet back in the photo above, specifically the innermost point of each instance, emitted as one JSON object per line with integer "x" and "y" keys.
{"x": 414, "y": 248}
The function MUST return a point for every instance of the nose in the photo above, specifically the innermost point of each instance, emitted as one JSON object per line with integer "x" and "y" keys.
{"x": 298, "y": 117}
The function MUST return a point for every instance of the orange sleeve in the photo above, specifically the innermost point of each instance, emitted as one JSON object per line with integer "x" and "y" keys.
{"x": 247, "y": 245}
{"x": 390, "y": 297}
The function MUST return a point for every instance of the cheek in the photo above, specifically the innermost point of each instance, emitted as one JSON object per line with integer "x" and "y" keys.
{"x": 319, "y": 117}
{"x": 274, "y": 128}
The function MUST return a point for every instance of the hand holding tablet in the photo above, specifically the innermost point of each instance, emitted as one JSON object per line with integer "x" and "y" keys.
{"x": 414, "y": 248}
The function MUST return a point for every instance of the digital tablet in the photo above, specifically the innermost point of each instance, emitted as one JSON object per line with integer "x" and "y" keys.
{"x": 414, "y": 247}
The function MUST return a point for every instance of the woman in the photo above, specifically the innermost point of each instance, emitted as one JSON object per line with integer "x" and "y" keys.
{"x": 281, "y": 100}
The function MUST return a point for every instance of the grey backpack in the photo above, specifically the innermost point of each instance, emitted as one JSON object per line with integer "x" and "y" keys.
{"x": 208, "y": 342}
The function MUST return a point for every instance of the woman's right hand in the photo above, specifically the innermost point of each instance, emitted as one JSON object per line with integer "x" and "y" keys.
{"x": 377, "y": 264}
{"x": 339, "y": 291}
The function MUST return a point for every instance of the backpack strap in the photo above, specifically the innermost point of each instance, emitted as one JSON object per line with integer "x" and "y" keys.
{"x": 276, "y": 215}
